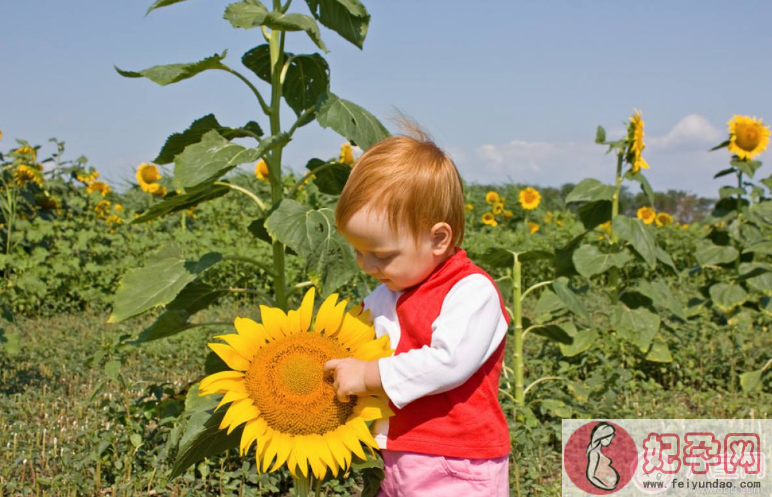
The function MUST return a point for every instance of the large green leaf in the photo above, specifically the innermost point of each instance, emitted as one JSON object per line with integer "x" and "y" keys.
{"x": 177, "y": 142}
{"x": 637, "y": 325}
{"x": 554, "y": 333}
{"x": 173, "y": 73}
{"x": 709, "y": 253}
{"x": 257, "y": 228}
{"x": 203, "y": 437}
{"x": 645, "y": 185}
{"x": 10, "y": 342}
{"x": 569, "y": 298}
{"x": 311, "y": 233}
{"x": 638, "y": 235}
{"x": 331, "y": 179}
{"x": 757, "y": 275}
{"x": 747, "y": 167}
{"x": 660, "y": 294}
{"x": 665, "y": 259}
{"x": 258, "y": 60}
{"x": 195, "y": 297}
{"x": 582, "y": 340}
{"x": 212, "y": 157}
{"x": 175, "y": 203}
{"x": 158, "y": 282}
{"x": 589, "y": 260}
{"x": 249, "y": 14}
{"x": 307, "y": 78}
{"x": 348, "y": 18}
{"x": 761, "y": 212}
{"x": 727, "y": 296}
{"x": 161, "y": 3}
{"x": 349, "y": 120}
{"x": 548, "y": 307}
{"x": 590, "y": 190}
{"x": 595, "y": 213}
{"x": 659, "y": 352}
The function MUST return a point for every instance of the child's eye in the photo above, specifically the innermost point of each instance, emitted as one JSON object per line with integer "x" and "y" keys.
{"x": 384, "y": 257}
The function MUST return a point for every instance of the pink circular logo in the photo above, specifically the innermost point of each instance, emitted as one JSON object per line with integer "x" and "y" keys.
{"x": 600, "y": 457}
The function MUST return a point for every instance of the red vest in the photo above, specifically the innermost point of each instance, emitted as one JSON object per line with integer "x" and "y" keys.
{"x": 466, "y": 421}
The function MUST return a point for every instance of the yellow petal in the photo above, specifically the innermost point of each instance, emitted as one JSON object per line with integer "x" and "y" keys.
{"x": 230, "y": 396}
{"x": 291, "y": 460}
{"x": 222, "y": 375}
{"x": 339, "y": 451}
{"x": 371, "y": 408}
{"x": 306, "y": 309}
{"x": 233, "y": 359}
{"x": 293, "y": 322}
{"x": 252, "y": 331}
{"x": 222, "y": 385}
{"x": 283, "y": 450}
{"x": 301, "y": 457}
{"x": 330, "y": 315}
{"x": 243, "y": 346}
{"x": 350, "y": 440}
{"x": 373, "y": 350}
{"x": 262, "y": 441}
{"x": 274, "y": 320}
{"x": 239, "y": 413}
{"x": 252, "y": 430}
{"x": 363, "y": 432}
{"x": 355, "y": 331}
{"x": 323, "y": 451}
{"x": 270, "y": 451}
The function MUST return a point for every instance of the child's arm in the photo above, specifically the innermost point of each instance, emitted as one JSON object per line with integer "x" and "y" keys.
{"x": 468, "y": 330}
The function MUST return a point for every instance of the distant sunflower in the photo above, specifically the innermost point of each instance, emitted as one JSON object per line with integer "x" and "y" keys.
{"x": 25, "y": 174}
{"x": 646, "y": 214}
{"x": 346, "y": 154}
{"x": 639, "y": 163}
{"x": 533, "y": 227}
{"x": 491, "y": 197}
{"x": 147, "y": 174}
{"x": 498, "y": 208}
{"x": 548, "y": 217}
{"x": 261, "y": 170}
{"x": 748, "y": 136}
{"x": 529, "y": 198}
{"x": 663, "y": 219}
{"x": 636, "y": 144}
{"x": 277, "y": 389}
{"x": 489, "y": 219}
{"x": 158, "y": 190}
{"x": 605, "y": 227}
{"x": 468, "y": 207}
{"x": 507, "y": 214}
{"x": 113, "y": 219}
{"x": 102, "y": 208}
{"x": 28, "y": 151}
{"x": 98, "y": 186}
{"x": 87, "y": 178}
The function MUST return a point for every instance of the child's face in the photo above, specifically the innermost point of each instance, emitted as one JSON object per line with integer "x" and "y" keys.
{"x": 396, "y": 261}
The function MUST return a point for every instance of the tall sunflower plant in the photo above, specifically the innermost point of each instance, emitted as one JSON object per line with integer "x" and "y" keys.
{"x": 205, "y": 152}
{"x": 621, "y": 257}
{"x": 736, "y": 252}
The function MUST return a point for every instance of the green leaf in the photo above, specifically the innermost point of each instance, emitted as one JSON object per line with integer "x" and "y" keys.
{"x": 214, "y": 156}
{"x": 158, "y": 282}
{"x": 548, "y": 306}
{"x": 136, "y": 440}
{"x": 763, "y": 247}
{"x": 257, "y": 228}
{"x": 10, "y": 342}
{"x": 593, "y": 214}
{"x": 724, "y": 172}
{"x": 638, "y": 235}
{"x": 569, "y": 298}
{"x": 730, "y": 191}
{"x": 112, "y": 369}
{"x": 589, "y": 260}
{"x": 503, "y": 258}
{"x": 161, "y": 3}
{"x": 637, "y": 325}
{"x": 348, "y": 18}
{"x": 307, "y": 78}
{"x": 721, "y": 145}
{"x": 249, "y": 14}
{"x": 747, "y": 167}
{"x": 757, "y": 275}
{"x": 600, "y": 135}
{"x": 331, "y": 179}
{"x": 750, "y": 381}
{"x": 177, "y": 142}
{"x": 665, "y": 258}
{"x": 727, "y": 296}
{"x": 258, "y": 60}
{"x": 582, "y": 340}
{"x": 762, "y": 212}
{"x": 590, "y": 190}
{"x": 660, "y": 294}
{"x": 709, "y": 253}
{"x": 349, "y": 120}
{"x": 659, "y": 352}
{"x": 175, "y": 203}
{"x": 203, "y": 437}
{"x": 173, "y": 73}
{"x": 554, "y": 333}
{"x": 311, "y": 233}
{"x": 645, "y": 186}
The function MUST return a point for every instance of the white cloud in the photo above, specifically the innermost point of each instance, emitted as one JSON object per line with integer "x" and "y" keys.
{"x": 678, "y": 159}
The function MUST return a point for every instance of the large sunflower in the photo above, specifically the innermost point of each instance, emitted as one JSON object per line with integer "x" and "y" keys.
{"x": 277, "y": 386}
{"x": 748, "y": 136}
{"x": 635, "y": 143}
{"x": 147, "y": 174}
{"x": 646, "y": 214}
{"x": 529, "y": 198}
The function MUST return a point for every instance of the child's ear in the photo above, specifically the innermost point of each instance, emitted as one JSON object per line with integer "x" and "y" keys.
{"x": 442, "y": 236}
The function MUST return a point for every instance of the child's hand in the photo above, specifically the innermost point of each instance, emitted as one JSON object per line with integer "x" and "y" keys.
{"x": 349, "y": 376}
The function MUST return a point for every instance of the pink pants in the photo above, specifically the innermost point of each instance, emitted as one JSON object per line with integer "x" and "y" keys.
{"x": 410, "y": 474}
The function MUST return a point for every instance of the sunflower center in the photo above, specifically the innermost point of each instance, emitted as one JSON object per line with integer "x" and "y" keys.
{"x": 286, "y": 382}
{"x": 747, "y": 138}
{"x": 149, "y": 175}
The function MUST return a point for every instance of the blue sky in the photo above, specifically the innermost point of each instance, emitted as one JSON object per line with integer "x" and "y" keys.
{"x": 513, "y": 91}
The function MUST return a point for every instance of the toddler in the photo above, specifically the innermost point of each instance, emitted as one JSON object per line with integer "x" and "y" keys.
{"x": 402, "y": 210}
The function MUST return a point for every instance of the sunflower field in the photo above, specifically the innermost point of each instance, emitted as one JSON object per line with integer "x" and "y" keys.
{"x": 167, "y": 336}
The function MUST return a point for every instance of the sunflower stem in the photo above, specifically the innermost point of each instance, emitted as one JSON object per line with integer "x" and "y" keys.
{"x": 518, "y": 368}
{"x": 302, "y": 485}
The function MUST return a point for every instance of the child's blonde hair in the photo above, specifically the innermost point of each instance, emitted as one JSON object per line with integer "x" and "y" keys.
{"x": 411, "y": 179}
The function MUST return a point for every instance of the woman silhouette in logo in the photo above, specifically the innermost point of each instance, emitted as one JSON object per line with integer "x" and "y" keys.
{"x": 599, "y": 470}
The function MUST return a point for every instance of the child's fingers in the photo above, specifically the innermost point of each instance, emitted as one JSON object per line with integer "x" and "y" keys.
{"x": 329, "y": 366}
